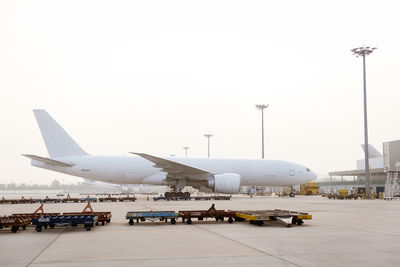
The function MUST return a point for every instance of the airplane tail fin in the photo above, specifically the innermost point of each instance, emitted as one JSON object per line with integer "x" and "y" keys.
{"x": 57, "y": 140}
{"x": 372, "y": 152}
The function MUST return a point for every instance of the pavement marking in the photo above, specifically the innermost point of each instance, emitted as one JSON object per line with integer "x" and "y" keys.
{"x": 394, "y": 235}
{"x": 43, "y": 250}
{"x": 248, "y": 246}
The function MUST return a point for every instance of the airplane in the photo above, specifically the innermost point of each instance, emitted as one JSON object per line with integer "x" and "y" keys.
{"x": 205, "y": 174}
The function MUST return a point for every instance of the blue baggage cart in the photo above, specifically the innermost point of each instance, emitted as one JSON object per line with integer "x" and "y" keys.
{"x": 64, "y": 220}
{"x": 151, "y": 216}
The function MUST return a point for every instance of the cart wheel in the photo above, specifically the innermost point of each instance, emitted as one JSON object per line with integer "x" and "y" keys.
{"x": 97, "y": 223}
{"x": 52, "y": 225}
{"x": 14, "y": 229}
{"x": 102, "y": 223}
{"x": 260, "y": 223}
{"x": 88, "y": 228}
{"x": 230, "y": 220}
{"x": 173, "y": 221}
{"x": 45, "y": 226}
{"x": 38, "y": 229}
{"x": 130, "y": 222}
{"x": 189, "y": 221}
{"x": 300, "y": 222}
{"x": 252, "y": 222}
{"x": 24, "y": 227}
{"x": 109, "y": 220}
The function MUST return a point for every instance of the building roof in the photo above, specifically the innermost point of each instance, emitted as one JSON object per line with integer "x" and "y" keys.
{"x": 356, "y": 172}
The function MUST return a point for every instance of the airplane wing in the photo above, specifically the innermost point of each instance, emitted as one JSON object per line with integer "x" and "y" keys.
{"x": 48, "y": 161}
{"x": 176, "y": 170}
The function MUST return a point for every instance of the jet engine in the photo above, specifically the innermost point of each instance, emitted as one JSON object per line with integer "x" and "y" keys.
{"x": 228, "y": 183}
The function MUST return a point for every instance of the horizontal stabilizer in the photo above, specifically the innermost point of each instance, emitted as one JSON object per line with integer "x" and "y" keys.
{"x": 48, "y": 161}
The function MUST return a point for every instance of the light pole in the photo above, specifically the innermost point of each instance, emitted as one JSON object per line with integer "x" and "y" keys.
{"x": 365, "y": 51}
{"x": 208, "y": 141}
{"x": 186, "y": 149}
{"x": 262, "y": 107}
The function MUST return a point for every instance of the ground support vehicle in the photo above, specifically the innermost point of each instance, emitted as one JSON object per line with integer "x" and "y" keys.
{"x": 69, "y": 199}
{"x": 175, "y": 198}
{"x": 39, "y": 212}
{"x": 212, "y": 198}
{"x": 102, "y": 216}
{"x": 219, "y": 215}
{"x": 50, "y": 200}
{"x": 127, "y": 198}
{"x": 109, "y": 198}
{"x": 19, "y": 201}
{"x": 14, "y": 222}
{"x": 151, "y": 216}
{"x": 88, "y": 199}
{"x": 64, "y": 220}
{"x": 259, "y": 217}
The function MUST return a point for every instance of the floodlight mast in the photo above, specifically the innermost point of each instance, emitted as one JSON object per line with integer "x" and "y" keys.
{"x": 208, "y": 143}
{"x": 186, "y": 149}
{"x": 262, "y": 107}
{"x": 362, "y": 52}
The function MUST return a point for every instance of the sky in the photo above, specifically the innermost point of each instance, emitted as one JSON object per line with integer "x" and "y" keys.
{"x": 155, "y": 76}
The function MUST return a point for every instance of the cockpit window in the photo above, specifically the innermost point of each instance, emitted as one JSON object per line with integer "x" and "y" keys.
{"x": 308, "y": 170}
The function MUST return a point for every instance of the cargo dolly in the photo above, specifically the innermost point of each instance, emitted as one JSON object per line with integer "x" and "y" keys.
{"x": 102, "y": 216}
{"x": 69, "y": 199}
{"x": 172, "y": 197}
{"x": 14, "y": 222}
{"x": 64, "y": 220}
{"x": 39, "y": 212}
{"x": 127, "y": 198}
{"x": 18, "y": 201}
{"x": 88, "y": 199}
{"x": 219, "y": 215}
{"x": 49, "y": 200}
{"x": 109, "y": 198}
{"x": 151, "y": 216}
{"x": 212, "y": 198}
{"x": 259, "y": 217}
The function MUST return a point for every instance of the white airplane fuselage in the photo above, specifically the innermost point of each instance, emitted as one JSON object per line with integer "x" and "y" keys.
{"x": 218, "y": 175}
{"x": 137, "y": 170}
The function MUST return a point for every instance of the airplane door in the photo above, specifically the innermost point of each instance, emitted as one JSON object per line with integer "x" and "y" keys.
{"x": 291, "y": 170}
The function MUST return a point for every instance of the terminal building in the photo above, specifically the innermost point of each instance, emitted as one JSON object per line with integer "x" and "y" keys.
{"x": 355, "y": 179}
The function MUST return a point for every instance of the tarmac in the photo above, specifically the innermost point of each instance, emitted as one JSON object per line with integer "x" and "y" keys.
{"x": 341, "y": 233}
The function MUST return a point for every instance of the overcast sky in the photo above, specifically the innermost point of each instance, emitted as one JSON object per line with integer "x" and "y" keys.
{"x": 154, "y": 76}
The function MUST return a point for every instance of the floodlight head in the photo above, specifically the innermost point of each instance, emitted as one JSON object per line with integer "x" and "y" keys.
{"x": 262, "y": 106}
{"x": 208, "y": 135}
{"x": 363, "y": 51}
